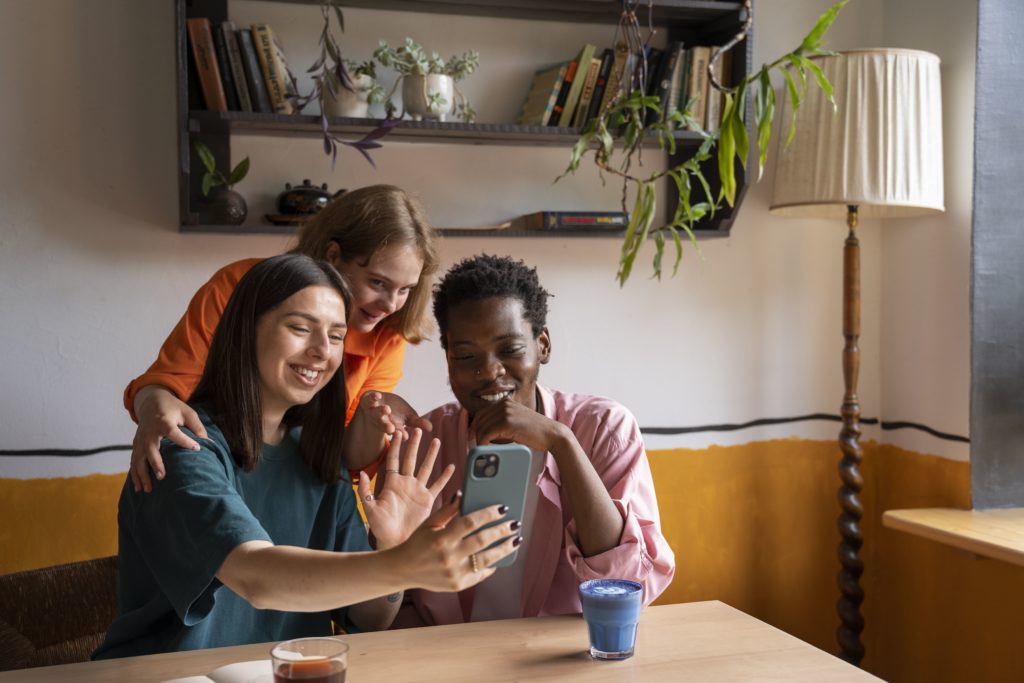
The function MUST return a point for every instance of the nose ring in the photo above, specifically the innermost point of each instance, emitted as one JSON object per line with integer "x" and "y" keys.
{"x": 477, "y": 373}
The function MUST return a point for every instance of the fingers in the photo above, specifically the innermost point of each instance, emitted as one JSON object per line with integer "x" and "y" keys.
{"x": 143, "y": 451}
{"x": 440, "y": 518}
{"x": 427, "y": 466}
{"x": 487, "y": 558}
{"x": 365, "y": 492}
{"x": 190, "y": 418}
{"x": 474, "y": 521}
{"x": 442, "y": 479}
{"x": 480, "y": 541}
{"x": 423, "y": 423}
{"x": 391, "y": 459}
{"x": 407, "y": 465}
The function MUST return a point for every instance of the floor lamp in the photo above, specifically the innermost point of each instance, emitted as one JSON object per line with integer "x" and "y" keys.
{"x": 876, "y": 154}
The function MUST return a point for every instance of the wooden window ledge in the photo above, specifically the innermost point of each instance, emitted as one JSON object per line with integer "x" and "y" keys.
{"x": 996, "y": 533}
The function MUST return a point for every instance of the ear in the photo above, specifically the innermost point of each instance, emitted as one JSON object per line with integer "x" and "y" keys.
{"x": 333, "y": 254}
{"x": 544, "y": 346}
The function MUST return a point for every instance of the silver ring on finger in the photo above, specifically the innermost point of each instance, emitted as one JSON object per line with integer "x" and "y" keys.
{"x": 474, "y": 562}
{"x": 391, "y": 472}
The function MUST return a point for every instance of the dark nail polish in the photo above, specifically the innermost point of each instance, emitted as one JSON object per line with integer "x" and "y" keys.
{"x": 519, "y": 539}
{"x": 455, "y": 496}
{"x": 515, "y": 525}
{"x": 503, "y": 509}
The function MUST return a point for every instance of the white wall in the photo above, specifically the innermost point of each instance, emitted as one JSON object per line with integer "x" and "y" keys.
{"x": 93, "y": 272}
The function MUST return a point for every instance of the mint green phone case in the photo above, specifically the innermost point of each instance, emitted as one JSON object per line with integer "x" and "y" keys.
{"x": 506, "y": 486}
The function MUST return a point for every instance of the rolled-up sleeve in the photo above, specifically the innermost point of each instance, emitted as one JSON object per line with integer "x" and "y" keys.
{"x": 642, "y": 555}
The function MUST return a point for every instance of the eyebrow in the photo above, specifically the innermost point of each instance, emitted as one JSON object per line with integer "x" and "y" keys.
{"x": 385, "y": 278}
{"x": 313, "y": 318}
{"x": 499, "y": 338}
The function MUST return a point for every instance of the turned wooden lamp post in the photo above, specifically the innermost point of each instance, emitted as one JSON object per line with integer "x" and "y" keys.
{"x": 876, "y": 154}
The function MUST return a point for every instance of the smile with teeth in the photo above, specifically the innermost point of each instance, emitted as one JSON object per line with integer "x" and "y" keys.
{"x": 500, "y": 396}
{"x": 309, "y": 375}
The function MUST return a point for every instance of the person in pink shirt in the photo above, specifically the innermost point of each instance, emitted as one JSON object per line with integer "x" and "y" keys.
{"x": 592, "y": 512}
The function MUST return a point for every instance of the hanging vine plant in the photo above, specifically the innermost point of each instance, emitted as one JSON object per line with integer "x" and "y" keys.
{"x": 616, "y": 135}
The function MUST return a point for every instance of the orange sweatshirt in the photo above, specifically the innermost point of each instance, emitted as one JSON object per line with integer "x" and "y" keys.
{"x": 373, "y": 361}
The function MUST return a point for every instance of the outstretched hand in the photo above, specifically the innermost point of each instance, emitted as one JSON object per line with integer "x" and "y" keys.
{"x": 404, "y": 500}
{"x": 390, "y": 413}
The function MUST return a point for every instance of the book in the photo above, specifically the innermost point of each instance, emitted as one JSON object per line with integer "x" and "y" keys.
{"x": 274, "y": 68}
{"x": 607, "y": 59}
{"x": 614, "y": 84}
{"x": 541, "y": 97}
{"x": 205, "y": 58}
{"x": 253, "y": 72}
{"x": 716, "y": 99}
{"x": 565, "y": 119}
{"x": 655, "y": 74}
{"x": 227, "y": 28}
{"x": 671, "y": 79}
{"x": 226, "y": 76}
{"x": 571, "y": 220}
{"x": 580, "y": 118}
{"x": 698, "y": 85}
{"x": 563, "y": 93}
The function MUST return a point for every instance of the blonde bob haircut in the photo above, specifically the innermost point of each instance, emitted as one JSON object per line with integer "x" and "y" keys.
{"x": 365, "y": 220}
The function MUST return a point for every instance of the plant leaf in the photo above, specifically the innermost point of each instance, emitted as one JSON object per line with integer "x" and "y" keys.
{"x": 764, "y": 123}
{"x": 207, "y": 183}
{"x": 813, "y": 39}
{"x": 726, "y": 152}
{"x": 794, "y": 99}
{"x": 239, "y": 172}
{"x": 206, "y": 157}
{"x": 819, "y": 76}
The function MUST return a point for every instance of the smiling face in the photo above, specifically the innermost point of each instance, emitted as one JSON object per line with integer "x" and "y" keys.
{"x": 381, "y": 285}
{"x": 299, "y": 346}
{"x": 492, "y": 353}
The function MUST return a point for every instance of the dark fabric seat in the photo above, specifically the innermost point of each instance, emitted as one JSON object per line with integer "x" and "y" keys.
{"x": 56, "y": 615}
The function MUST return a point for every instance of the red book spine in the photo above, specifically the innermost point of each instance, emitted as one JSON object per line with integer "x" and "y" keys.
{"x": 205, "y": 57}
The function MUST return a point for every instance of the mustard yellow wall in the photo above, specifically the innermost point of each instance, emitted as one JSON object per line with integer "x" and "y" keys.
{"x": 752, "y": 525}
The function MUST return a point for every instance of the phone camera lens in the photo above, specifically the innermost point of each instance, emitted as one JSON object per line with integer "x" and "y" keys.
{"x": 490, "y": 470}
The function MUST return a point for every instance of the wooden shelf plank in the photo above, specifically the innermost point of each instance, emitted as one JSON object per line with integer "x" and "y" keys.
{"x": 406, "y": 131}
{"x": 998, "y": 534}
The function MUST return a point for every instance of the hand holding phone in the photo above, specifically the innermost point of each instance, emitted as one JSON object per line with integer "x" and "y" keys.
{"x": 497, "y": 474}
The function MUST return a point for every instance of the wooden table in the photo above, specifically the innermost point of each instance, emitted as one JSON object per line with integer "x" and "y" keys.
{"x": 997, "y": 533}
{"x": 699, "y": 641}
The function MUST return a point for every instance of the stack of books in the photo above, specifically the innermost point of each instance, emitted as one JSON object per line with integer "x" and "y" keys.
{"x": 570, "y": 94}
{"x": 239, "y": 69}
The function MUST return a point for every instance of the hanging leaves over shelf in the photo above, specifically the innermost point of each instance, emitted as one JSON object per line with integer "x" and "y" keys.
{"x": 615, "y": 135}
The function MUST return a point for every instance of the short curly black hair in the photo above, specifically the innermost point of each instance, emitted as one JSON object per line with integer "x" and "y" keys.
{"x": 485, "y": 276}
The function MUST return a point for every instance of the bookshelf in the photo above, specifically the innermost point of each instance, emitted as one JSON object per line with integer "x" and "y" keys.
{"x": 693, "y": 21}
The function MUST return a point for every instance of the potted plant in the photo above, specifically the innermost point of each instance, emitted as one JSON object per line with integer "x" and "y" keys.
{"x": 356, "y": 102}
{"x": 225, "y": 206}
{"x": 342, "y": 88}
{"x": 428, "y": 82}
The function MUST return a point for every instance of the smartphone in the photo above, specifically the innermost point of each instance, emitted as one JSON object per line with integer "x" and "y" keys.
{"x": 497, "y": 474}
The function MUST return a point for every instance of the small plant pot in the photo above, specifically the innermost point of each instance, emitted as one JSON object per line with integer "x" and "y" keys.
{"x": 429, "y": 97}
{"x": 224, "y": 207}
{"x": 346, "y": 102}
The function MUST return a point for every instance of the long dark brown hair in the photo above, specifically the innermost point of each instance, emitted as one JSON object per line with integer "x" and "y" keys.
{"x": 230, "y": 387}
{"x": 364, "y": 220}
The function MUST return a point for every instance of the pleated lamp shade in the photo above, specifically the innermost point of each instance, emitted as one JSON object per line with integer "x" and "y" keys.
{"x": 881, "y": 149}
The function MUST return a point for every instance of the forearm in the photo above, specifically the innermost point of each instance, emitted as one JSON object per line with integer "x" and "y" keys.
{"x": 376, "y": 614}
{"x": 598, "y": 522}
{"x": 293, "y": 579}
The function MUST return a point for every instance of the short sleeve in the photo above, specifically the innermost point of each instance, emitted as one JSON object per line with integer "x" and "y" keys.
{"x": 189, "y": 524}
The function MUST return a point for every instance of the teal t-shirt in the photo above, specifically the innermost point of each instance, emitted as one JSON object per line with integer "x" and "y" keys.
{"x": 173, "y": 541}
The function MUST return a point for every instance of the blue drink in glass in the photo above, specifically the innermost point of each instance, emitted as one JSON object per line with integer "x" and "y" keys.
{"x": 611, "y": 608}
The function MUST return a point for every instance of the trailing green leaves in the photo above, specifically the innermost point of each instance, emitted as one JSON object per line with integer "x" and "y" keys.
{"x": 212, "y": 177}
{"x": 624, "y": 125}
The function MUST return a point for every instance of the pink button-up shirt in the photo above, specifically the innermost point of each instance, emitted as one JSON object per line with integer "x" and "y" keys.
{"x": 610, "y": 436}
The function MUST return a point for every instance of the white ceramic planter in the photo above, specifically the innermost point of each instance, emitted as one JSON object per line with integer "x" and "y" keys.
{"x": 416, "y": 96}
{"x": 346, "y": 102}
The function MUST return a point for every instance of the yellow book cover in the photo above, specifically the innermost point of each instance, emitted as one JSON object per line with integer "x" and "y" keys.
{"x": 274, "y": 67}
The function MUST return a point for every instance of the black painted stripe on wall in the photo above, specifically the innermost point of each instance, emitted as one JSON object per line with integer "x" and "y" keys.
{"x": 668, "y": 431}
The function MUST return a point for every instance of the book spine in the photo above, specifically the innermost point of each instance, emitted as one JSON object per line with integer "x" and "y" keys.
{"x": 716, "y": 99}
{"x": 274, "y": 73}
{"x": 563, "y": 94}
{"x": 669, "y": 87}
{"x": 615, "y": 75}
{"x": 583, "y": 66}
{"x": 253, "y": 72}
{"x": 698, "y": 89}
{"x": 580, "y": 119}
{"x": 227, "y": 77}
{"x": 607, "y": 59}
{"x": 556, "y": 88}
{"x": 575, "y": 220}
{"x": 205, "y": 58}
{"x": 237, "y": 70}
